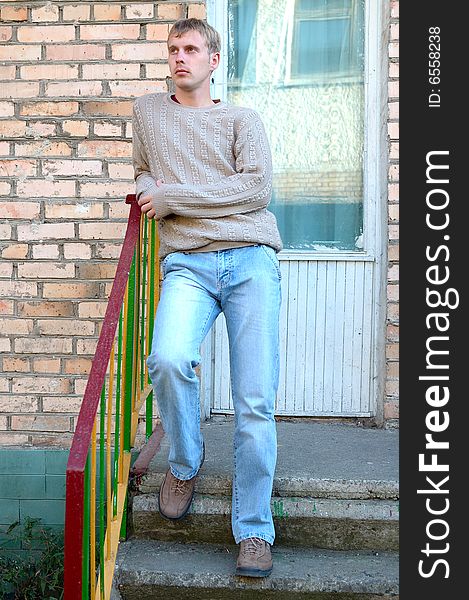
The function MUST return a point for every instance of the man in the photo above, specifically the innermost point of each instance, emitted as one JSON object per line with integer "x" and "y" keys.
{"x": 203, "y": 170}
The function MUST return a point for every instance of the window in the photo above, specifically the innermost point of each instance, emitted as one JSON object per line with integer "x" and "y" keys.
{"x": 300, "y": 64}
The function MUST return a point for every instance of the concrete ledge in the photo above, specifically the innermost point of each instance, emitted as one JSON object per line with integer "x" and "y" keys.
{"x": 151, "y": 570}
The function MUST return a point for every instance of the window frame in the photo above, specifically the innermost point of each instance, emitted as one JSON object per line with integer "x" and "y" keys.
{"x": 375, "y": 151}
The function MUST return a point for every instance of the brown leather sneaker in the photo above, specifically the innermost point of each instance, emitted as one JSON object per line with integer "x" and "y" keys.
{"x": 175, "y": 496}
{"x": 254, "y": 559}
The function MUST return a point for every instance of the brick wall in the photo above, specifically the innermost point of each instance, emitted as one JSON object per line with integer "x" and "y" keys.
{"x": 391, "y": 405}
{"x": 68, "y": 74}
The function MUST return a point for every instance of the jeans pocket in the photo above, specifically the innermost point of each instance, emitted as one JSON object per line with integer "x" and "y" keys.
{"x": 272, "y": 256}
{"x": 165, "y": 262}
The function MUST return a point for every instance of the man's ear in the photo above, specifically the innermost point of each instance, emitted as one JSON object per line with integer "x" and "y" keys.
{"x": 214, "y": 60}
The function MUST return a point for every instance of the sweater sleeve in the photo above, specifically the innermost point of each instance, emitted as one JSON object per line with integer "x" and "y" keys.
{"x": 145, "y": 182}
{"x": 247, "y": 190}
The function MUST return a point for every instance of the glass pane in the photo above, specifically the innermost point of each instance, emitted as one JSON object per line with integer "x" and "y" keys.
{"x": 300, "y": 64}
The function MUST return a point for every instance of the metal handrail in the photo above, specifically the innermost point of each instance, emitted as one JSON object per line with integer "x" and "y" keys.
{"x": 118, "y": 385}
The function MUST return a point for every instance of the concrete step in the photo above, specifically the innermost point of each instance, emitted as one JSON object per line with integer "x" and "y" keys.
{"x": 321, "y": 523}
{"x": 335, "y": 487}
{"x": 161, "y": 570}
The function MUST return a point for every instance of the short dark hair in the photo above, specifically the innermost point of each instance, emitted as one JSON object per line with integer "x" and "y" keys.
{"x": 210, "y": 34}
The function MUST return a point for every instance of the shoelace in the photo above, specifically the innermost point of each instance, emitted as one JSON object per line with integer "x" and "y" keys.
{"x": 179, "y": 486}
{"x": 252, "y": 545}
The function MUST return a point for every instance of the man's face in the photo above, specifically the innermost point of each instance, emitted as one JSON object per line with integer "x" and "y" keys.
{"x": 189, "y": 61}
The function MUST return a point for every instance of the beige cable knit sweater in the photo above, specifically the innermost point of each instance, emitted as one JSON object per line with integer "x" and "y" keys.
{"x": 217, "y": 170}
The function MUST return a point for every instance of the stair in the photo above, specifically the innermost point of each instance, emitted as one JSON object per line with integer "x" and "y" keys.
{"x": 335, "y": 507}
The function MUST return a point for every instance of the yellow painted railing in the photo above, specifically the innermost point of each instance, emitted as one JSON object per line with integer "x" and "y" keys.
{"x": 117, "y": 389}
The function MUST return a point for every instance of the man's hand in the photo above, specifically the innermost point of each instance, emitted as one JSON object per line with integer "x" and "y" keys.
{"x": 145, "y": 203}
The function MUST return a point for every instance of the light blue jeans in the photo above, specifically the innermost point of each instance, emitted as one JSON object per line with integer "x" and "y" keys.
{"x": 244, "y": 283}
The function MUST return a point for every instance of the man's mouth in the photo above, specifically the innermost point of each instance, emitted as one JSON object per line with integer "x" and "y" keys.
{"x": 181, "y": 71}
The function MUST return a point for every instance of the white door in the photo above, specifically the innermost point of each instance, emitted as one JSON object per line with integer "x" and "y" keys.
{"x": 311, "y": 69}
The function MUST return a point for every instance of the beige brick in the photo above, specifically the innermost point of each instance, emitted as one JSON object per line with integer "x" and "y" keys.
{"x": 79, "y": 386}
{"x": 76, "y": 52}
{"x": 45, "y": 309}
{"x": 46, "y": 365}
{"x": 77, "y": 366}
{"x": 394, "y": 9}
{"x": 92, "y": 310}
{"x": 391, "y": 409}
{"x": 108, "y": 250}
{"x": 110, "y": 32}
{"x": 104, "y": 129}
{"x": 15, "y": 289}
{"x": 12, "y": 129}
{"x": 101, "y": 231}
{"x": 393, "y": 172}
{"x": 15, "y": 326}
{"x": 6, "y": 270}
{"x": 107, "y": 12}
{"x": 392, "y": 293}
{"x": 41, "y": 129}
{"x": 10, "y": 438}
{"x": 19, "y": 89}
{"x": 76, "y": 12}
{"x": 53, "y": 71}
{"x": 393, "y": 312}
{"x": 61, "y": 404}
{"x": 71, "y": 290}
{"x": 77, "y": 250}
{"x": 50, "y": 251}
{"x": 46, "y": 270}
{"x": 114, "y": 189}
{"x": 71, "y": 167}
{"x": 394, "y": 50}
{"x": 393, "y": 131}
{"x": 3, "y": 423}
{"x": 111, "y": 71}
{"x": 394, "y": 31}
{"x": 44, "y": 345}
{"x": 393, "y": 89}
{"x": 5, "y": 345}
{"x": 105, "y": 149}
{"x": 393, "y": 252}
{"x": 5, "y": 189}
{"x": 157, "y": 32}
{"x": 18, "y": 251}
{"x": 134, "y": 89}
{"x": 74, "y": 88}
{"x": 13, "y": 364}
{"x": 86, "y": 346}
{"x": 157, "y": 71}
{"x": 393, "y": 70}
{"x": 170, "y": 12}
{"x": 62, "y": 441}
{"x": 40, "y": 188}
{"x": 81, "y": 210}
{"x": 393, "y": 110}
{"x": 40, "y": 423}
{"x": 143, "y": 51}
{"x": 13, "y": 51}
{"x": 46, "y": 33}
{"x": 102, "y": 270}
{"x": 43, "y": 148}
{"x": 66, "y": 327}
{"x": 5, "y": 33}
{"x": 76, "y": 128}
{"x": 119, "y": 210}
{"x": 139, "y": 11}
{"x": 392, "y": 351}
{"x": 6, "y": 307}
{"x": 392, "y": 389}
{"x": 393, "y": 192}
{"x": 392, "y": 332}
{"x": 19, "y": 210}
{"x": 394, "y": 212}
{"x": 115, "y": 108}
{"x": 7, "y": 72}
{"x": 49, "y": 12}
{"x": 46, "y": 231}
{"x": 14, "y": 13}
{"x": 197, "y": 11}
{"x": 12, "y": 167}
{"x": 4, "y": 151}
{"x": 53, "y": 109}
{"x": 121, "y": 171}
{"x": 7, "y": 109}
{"x": 18, "y": 404}
{"x": 394, "y": 151}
